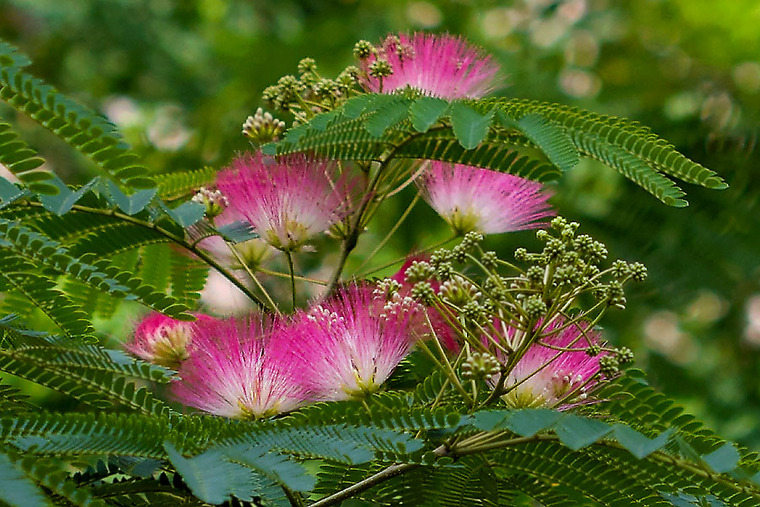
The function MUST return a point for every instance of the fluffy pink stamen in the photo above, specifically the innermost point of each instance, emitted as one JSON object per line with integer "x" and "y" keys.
{"x": 350, "y": 344}
{"x": 443, "y": 66}
{"x": 287, "y": 200}
{"x": 238, "y": 370}
{"x": 474, "y": 199}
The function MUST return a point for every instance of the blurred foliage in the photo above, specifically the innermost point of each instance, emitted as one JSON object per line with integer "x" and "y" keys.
{"x": 180, "y": 77}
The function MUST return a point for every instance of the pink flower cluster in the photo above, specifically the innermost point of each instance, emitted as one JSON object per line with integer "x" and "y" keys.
{"x": 345, "y": 347}
{"x": 443, "y": 66}
{"x": 350, "y": 344}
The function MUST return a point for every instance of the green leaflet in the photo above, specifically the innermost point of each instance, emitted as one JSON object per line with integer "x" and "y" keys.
{"x": 179, "y": 184}
{"x": 89, "y": 373}
{"x": 18, "y": 273}
{"x": 22, "y": 161}
{"x": 16, "y": 490}
{"x": 99, "y": 274}
{"x": 485, "y": 132}
{"x": 470, "y": 127}
{"x": 86, "y": 131}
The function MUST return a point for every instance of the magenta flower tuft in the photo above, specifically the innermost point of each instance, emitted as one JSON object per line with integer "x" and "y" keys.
{"x": 443, "y": 66}
{"x": 481, "y": 200}
{"x": 287, "y": 200}
{"x": 546, "y": 377}
{"x": 238, "y": 370}
{"x": 163, "y": 340}
{"x": 350, "y": 344}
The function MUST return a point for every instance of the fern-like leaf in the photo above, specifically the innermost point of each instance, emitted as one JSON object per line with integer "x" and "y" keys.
{"x": 86, "y": 131}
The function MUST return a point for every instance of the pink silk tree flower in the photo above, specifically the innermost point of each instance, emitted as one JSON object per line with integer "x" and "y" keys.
{"x": 287, "y": 200}
{"x": 547, "y": 377}
{"x": 350, "y": 344}
{"x": 442, "y": 66}
{"x": 238, "y": 371}
{"x": 163, "y": 340}
{"x": 489, "y": 202}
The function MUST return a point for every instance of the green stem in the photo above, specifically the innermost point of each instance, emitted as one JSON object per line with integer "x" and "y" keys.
{"x": 289, "y": 255}
{"x": 253, "y": 277}
{"x": 391, "y": 232}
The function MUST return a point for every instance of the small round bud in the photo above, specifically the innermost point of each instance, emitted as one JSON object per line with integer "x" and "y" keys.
{"x": 459, "y": 253}
{"x": 534, "y": 307}
{"x": 542, "y": 234}
{"x": 593, "y": 350}
{"x": 423, "y": 292}
{"x": 363, "y": 49}
{"x": 609, "y": 366}
{"x": 558, "y": 223}
{"x": 380, "y": 69}
{"x": 535, "y": 274}
{"x": 459, "y": 291}
{"x": 620, "y": 269}
{"x": 263, "y": 127}
{"x": 567, "y": 275}
{"x": 624, "y": 355}
{"x": 521, "y": 254}
{"x": 307, "y": 66}
{"x": 490, "y": 260}
{"x": 474, "y": 311}
{"x": 480, "y": 366}
{"x": 554, "y": 248}
{"x": 638, "y": 272}
{"x": 472, "y": 238}
{"x": 444, "y": 271}
{"x": 386, "y": 288}
{"x": 214, "y": 201}
{"x": 419, "y": 271}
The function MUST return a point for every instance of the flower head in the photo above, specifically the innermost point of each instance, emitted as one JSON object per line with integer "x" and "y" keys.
{"x": 481, "y": 200}
{"x": 443, "y": 66}
{"x": 287, "y": 200}
{"x": 548, "y": 377}
{"x": 163, "y": 340}
{"x": 238, "y": 370}
{"x": 350, "y": 344}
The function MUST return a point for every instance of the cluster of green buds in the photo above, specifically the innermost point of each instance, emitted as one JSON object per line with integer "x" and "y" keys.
{"x": 569, "y": 266}
{"x": 309, "y": 93}
{"x": 480, "y": 366}
{"x": 262, "y": 128}
{"x": 213, "y": 200}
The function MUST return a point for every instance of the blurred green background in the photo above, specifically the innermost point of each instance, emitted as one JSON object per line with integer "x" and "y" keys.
{"x": 180, "y": 77}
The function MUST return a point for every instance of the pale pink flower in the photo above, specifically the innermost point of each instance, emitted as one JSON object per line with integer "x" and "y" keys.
{"x": 350, "y": 344}
{"x": 489, "y": 202}
{"x": 443, "y": 66}
{"x": 163, "y": 340}
{"x": 287, "y": 200}
{"x": 238, "y": 370}
{"x": 253, "y": 251}
{"x": 547, "y": 377}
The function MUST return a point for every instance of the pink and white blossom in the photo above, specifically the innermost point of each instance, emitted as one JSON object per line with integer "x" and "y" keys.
{"x": 287, "y": 200}
{"x": 444, "y": 66}
{"x": 238, "y": 370}
{"x": 350, "y": 344}
{"x": 548, "y": 377}
{"x": 163, "y": 340}
{"x": 489, "y": 202}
